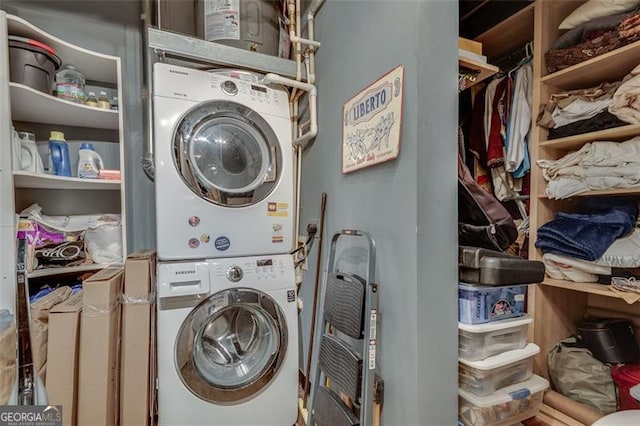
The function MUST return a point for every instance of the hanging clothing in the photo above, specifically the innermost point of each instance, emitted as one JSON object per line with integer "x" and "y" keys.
{"x": 517, "y": 158}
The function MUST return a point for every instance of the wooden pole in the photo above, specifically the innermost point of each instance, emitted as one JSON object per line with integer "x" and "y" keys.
{"x": 314, "y": 309}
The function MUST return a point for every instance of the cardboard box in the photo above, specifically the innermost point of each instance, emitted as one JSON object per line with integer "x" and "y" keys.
{"x": 137, "y": 366}
{"x": 62, "y": 357}
{"x": 99, "y": 349}
{"x": 470, "y": 45}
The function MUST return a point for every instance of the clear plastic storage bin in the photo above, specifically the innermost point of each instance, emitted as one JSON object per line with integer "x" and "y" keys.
{"x": 480, "y": 304}
{"x": 480, "y": 341}
{"x": 504, "y": 407}
{"x": 487, "y": 376}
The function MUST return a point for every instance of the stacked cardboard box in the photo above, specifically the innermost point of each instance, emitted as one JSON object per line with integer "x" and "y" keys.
{"x": 137, "y": 367}
{"x": 99, "y": 339}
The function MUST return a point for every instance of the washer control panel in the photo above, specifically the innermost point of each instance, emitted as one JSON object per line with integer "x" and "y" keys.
{"x": 268, "y": 272}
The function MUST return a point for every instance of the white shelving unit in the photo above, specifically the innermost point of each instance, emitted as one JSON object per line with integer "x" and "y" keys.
{"x": 32, "y": 109}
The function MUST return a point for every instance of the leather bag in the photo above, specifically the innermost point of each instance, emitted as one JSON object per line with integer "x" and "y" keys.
{"x": 482, "y": 220}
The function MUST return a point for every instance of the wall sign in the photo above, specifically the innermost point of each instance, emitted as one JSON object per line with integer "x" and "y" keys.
{"x": 371, "y": 123}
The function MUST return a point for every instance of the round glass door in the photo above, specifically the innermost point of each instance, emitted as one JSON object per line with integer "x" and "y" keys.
{"x": 227, "y": 153}
{"x": 231, "y": 345}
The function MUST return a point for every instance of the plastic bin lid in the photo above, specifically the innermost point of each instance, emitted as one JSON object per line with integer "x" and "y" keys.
{"x": 510, "y": 393}
{"x": 635, "y": 392}
{"x": 496, "y": 325}
{"x": 481, "y": 287}
{"x": 505, "y": 358}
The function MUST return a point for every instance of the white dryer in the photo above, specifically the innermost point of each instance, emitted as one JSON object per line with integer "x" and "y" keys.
{"x": 227, "y": 342}
{"x": 224, "y": 174}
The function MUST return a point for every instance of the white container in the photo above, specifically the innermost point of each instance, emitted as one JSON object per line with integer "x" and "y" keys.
{"x": 504, "y": 407}
{"x": 90, "y": 162}
{"x": 496, "y": 372}
{"x": 480, "y": 341}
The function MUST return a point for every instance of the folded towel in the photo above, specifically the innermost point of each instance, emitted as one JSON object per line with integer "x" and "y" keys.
{"x": 588, "y": 235}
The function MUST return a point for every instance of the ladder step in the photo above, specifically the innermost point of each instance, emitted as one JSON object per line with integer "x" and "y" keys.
{"x": 331, "y": 411}
{"x": 341, "y": 364}
{"x": 344, "y": 303}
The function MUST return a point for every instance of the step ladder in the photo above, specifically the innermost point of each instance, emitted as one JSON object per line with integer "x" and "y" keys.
{"x": 346, "y": 389}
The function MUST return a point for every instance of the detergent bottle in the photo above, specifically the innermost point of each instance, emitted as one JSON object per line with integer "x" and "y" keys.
{"x": 59, "y": 163}
{"x": 90, "y": 162}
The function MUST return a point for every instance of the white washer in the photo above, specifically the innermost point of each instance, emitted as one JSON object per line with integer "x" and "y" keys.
{"x": 227, "y": 342}
{"x": 224, "y": 173}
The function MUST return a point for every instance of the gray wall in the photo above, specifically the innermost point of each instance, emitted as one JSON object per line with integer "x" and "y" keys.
{"x": 409, "y": 204}
{"x": 111, "y": 27}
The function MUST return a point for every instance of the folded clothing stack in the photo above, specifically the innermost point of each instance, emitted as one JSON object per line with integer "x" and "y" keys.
{"x": 588, "y": 235}
{"x": 596, "y": 166}
{"x": 595, "y": 28}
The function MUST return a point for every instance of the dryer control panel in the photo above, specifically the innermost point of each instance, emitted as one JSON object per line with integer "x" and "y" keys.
{"x": 200, "y": 86}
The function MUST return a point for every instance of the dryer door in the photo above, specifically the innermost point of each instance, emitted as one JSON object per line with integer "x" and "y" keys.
{"x": 231, "y": 345}
{"x": 227, "y": 153}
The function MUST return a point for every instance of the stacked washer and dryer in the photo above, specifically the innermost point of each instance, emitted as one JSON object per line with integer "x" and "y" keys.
{"x": 227, "y": 314}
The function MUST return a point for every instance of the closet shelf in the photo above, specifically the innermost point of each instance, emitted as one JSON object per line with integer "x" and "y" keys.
{"x": 509, "y": 35}
{"x": 591, "y": 288}
{"x": 609, "y": 67}
{"x": 618, "y": 191}
{"x": 44, "y": 181}
{"x": 49, "y": 272}
{"x": 576, "y": 142}
{"x": 486, "y": 70}
{"x": 95, "y": 66}
{"x": 31, "y": 105}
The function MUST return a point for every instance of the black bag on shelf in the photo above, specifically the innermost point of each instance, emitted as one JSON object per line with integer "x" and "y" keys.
{"x": 482, "y": 220}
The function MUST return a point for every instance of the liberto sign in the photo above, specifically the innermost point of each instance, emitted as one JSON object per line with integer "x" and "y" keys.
{"x": 31, "y": 415}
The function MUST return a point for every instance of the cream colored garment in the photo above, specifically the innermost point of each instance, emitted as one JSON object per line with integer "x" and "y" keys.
{"x": 40, "y": 326}
{"x": 626, "y": 100}
{"x": 571, "y": 269}
{"x": 604, "y": 91}
{"x": 8, "y": 348}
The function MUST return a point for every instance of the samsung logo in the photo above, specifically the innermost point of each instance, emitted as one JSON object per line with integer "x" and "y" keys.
{"x": 186, "y": 272}
{"x": 179, "y": 72}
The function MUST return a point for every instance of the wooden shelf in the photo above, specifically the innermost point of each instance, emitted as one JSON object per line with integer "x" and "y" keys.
{"x": 576, "y": 142}
{"x": 94, "y": 66}
{"x": 591, "y": 288}
{"x": 509, "y": 35}
{"x": 44, "y": 181}
{"x": 50, "y": 272}
{"x": 610, "y": 67}
{"x": 486, "y": 70}
{"x": 606, "y": 192}
{"x": 31, "y": 105}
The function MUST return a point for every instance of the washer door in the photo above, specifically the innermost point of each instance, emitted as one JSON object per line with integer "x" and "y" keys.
{"x": 227, "y": 153}
{"x": 231, "y": 345}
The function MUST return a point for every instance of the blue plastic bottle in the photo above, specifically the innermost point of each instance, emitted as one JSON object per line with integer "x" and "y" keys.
{"x": 59, "y": 163}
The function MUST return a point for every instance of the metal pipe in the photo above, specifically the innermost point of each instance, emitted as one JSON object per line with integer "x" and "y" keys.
{"x": 148, "y": 18}
{"x": 313, "y": 96}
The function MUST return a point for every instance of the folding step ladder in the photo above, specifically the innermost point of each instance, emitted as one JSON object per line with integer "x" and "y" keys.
{"x": 345, "y": 384}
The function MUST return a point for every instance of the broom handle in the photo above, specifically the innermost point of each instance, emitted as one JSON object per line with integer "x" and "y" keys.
{"x": 314, "y": 310}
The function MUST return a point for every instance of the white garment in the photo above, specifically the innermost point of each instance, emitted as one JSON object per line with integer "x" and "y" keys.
{"x": 568, "y": 268}
{"x": 488, "y": 108}
{"x": 596, "y": 166}
{"x": 520, "y": 118}
{"x": 626, "y": 100}
{"x": 577, "y": 110}
{"x": 623, "y": 253}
